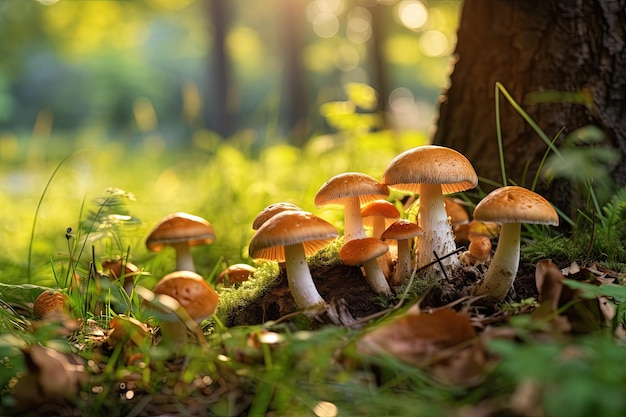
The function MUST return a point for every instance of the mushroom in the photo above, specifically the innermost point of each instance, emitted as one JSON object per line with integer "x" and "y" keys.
{"x": 364, "y": 252}
{"x": 271, "y": 211}
{"x": 478, "y": 251}
{"x": 131, "y": 271}
{"x": 235, "y": 274}
{"x": 403, "y": 231}
{"x": 379, "y": 214}
{"x": 185, "y": 299}
{"x": 432, "y": 171}
{"x": 181, "y": 231}
{"x": 50, "y": 302}
{"x": 511, "y": 206}
{"x": 193, "y": 293}
{"x": 289, "y": 237}
{"x": 351, "y": 189}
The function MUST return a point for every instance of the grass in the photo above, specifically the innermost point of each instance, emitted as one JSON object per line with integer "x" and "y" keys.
{"x": 68, "y": 215}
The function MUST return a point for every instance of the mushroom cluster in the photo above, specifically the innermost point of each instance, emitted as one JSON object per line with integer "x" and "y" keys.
{"x": 380, "y": 237}
{"x": 373, "y": 224}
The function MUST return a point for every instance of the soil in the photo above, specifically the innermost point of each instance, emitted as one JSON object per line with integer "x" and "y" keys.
{"x": 344, "y": 288}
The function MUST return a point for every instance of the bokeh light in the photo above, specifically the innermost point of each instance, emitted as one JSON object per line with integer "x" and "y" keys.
{"x": 413, "y": 14}
{"x": 359, "y": 28}
{"x": 434, "y": 43}
{"x": 325, "y": 25}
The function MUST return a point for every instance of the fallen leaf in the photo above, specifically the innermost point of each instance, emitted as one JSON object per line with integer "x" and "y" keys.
{"x": 53, "y": 377}
{"x": 441, "y": 340}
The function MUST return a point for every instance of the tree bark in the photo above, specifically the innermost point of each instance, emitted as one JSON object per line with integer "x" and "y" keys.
{"x": 565, "y": 46}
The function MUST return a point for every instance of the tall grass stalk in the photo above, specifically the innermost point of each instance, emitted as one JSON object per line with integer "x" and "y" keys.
{"x": 39, "y": 203}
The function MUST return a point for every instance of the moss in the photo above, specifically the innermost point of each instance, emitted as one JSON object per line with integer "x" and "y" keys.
{"x": 236, "y": 298}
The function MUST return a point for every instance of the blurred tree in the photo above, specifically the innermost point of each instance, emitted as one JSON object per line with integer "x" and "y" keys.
{"x": 564, "y": 61}
{"x": 219, "y": 117}
{"x": 296, "y": 106}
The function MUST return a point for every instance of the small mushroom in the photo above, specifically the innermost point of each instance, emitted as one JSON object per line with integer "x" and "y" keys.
{"x": 403, "y": 231}
{"x": 235, "y": 274}
{"x": 380, "y": 214}
{"x": 351, "y": 189}
{"x": 432, "y": 171}
{"x": 128, "y": 331}
{"x": 511, "y": 206}
{"x": 364, "y": 252}
{"x": 478, "y": 251}
{"x": 181, "y": 231}
{"x": 193, "y": 293}
{"x": 131, "y": 271}
{"x": 50, "y": 302}
{"x": 289, "y": 237}
{"x": 185, "y": 299}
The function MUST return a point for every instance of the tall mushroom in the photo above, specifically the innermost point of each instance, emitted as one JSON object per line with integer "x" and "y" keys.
{"x": 511, "y": 206}
{"x": 181, "y": 231}
{"x": 403, "y": 231}
{"x": 364, "y": 252}
{"x": 289, "y": 237}
{"x": 351, "y": 189}
{"x": 432, "y": 171}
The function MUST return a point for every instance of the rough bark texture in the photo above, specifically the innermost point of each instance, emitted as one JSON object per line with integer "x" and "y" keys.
{"x": 575, "y": 46}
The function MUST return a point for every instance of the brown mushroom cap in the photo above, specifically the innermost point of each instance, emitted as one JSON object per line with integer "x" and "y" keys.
{"x": 235, "y": 273}
{"x": 350, "y": 184}
{"x": 290, "y": 228}
{"x": 402, "y": 229}
{"x": 180, "y": 227}
{"x": 50, "y": 301}
{"x": 357, "y": 251}
{"x": 192, "y": 292}
{"x": 270, "y": 211}
{"x": 379, "y": 208}
{"x": 430, "y": 164}
{"x": 513, "y": 204}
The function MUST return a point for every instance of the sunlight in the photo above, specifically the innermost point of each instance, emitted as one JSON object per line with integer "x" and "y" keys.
{"x": 413, "y": 14}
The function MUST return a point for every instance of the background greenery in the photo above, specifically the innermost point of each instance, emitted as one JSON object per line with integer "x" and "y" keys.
{"x": 121, "y": 92}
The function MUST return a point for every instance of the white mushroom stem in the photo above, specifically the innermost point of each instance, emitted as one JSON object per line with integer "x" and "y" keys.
{"x": 385, "y": 261}
{"x": 403, "y": 264}
{"x": 352, "y": 220}
{"x": 503, "y": 268}
{"x": 375, "y": 277}
{"x": 299, "y": 277}
{"x": 378, "y": 226}
{"x": 184, "y": 260}
{"x": 438, "y": 235}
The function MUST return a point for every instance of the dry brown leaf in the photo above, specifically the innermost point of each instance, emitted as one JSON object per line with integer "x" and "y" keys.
{"x": 581, "y": 315}
{"x": 437, "y": 340}
{"x": 53, "y": 377}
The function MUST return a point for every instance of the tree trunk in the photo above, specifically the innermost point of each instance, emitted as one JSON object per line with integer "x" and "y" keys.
{"x": 564, "y": 46}
{"x": 219, "y": 118}
{"x": 295, "y": 97}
